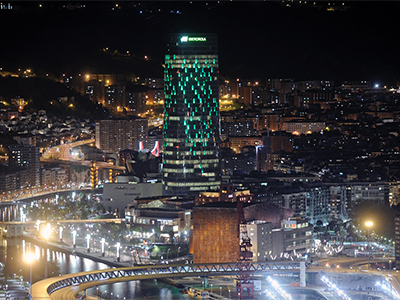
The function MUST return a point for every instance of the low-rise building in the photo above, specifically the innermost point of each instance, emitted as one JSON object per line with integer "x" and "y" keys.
{"x": 294, "y": 237}
{"x": 159, "y": 214}
{"x": 226, "y": 194}
{"x": 304, "y": 127}
{"x": 118, "y": 195}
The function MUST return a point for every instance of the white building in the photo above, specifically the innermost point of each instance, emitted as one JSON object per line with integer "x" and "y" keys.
{"x": 160, "y": 214}
{"x": 54, "y": 177}
{"x": 304, "y": 127}
{"x": 372, "y": 192}
{"x": 118, "y": 195}
{"x": 260, "y": 234}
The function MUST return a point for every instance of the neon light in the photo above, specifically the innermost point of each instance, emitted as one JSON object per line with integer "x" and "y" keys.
{"x": 186, "y": 38}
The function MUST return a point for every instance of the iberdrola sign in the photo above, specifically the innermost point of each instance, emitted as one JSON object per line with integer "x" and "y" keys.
{"x": 186, "y": 38}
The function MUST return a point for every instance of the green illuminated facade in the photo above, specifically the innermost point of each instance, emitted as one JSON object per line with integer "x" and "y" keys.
{"x": 191, "y": 160}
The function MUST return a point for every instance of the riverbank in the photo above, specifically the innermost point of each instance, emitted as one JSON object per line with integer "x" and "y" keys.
{"x": 80, "y": 251}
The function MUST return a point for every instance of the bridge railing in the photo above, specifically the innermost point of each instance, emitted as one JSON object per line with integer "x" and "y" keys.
{"x": 153, "y": 272}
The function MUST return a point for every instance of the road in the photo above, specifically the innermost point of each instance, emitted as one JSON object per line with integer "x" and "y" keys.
{"x": 63, "y": 152}
{"x": 357, "y": 264}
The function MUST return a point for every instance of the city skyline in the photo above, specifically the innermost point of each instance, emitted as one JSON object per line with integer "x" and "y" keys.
{"x": 274, "y": 129}
{"x": 347, "y": 40}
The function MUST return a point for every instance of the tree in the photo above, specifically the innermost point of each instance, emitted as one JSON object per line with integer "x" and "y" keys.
{"x": 171, "y": 236}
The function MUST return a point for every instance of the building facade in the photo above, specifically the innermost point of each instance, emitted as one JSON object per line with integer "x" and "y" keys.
{"x": 117, "y": 196}
{"x": 215, "y": 235}
{"x": 191, "y": 160}
{"x": 26, "y": 159}
{"x": 397, "y": 240}
{"x": 294, "y": 237}
{"x": 120, "y": 134}
{"x": 260, "y": 234}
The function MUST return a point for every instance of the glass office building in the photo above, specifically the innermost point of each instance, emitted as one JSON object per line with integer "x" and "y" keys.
{"x": 191, "y": 161}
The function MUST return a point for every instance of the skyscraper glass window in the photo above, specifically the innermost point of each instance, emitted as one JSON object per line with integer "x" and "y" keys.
{"x": 191, "y": 115}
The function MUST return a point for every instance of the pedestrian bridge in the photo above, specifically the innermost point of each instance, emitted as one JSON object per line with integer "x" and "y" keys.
{"x": 67, "y": 286}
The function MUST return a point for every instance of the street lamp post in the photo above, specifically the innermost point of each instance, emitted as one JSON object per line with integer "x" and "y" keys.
{"x": 88, "y": 242}
{"x": 61, "y": 233}
{"x": 30, "y": 258}
{"x": 118, "y": 251}
{"x": 74, "y": 238}
{"x": 168, "y": 252}
{"x": 369, "y": 224}
{"x": 103, "y": 241}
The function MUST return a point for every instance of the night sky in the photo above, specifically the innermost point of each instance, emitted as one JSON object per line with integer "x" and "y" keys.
{"x": 257, "y": 40}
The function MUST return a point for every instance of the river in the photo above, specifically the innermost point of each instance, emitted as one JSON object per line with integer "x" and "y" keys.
{"x": 12, "y": 253}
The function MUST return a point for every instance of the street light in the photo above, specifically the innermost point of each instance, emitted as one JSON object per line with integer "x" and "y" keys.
{"x": 118, "y": 251}
{"x": 30, "y": 258}
{"x": 74, "y": 238}
{"x": 168, "y": 252}
{"x": 88, "y": 242}
{"x": 61, "y": 233}
{"x": 369, "y": 224}
{"x": 103, "y": 241}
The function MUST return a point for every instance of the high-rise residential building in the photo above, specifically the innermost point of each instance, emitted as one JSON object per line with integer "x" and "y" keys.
{"x": 120, "y": 134}
{"x": 191, "y": 115}
{"x": 397, "y": 237}
{"x": 26, "y": 159}
{"x": 115, "y": 97}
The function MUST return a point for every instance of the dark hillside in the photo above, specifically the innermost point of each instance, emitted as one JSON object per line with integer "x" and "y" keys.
{"x": 45, "y": 94}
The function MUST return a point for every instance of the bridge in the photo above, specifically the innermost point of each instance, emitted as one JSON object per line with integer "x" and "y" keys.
{"x": 66, "y": 287}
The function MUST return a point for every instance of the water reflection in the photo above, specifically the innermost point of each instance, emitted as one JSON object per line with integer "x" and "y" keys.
{"x": 144, "y": 289}
{"x": 12, "y": 252}
{"x": 10, "y": 213}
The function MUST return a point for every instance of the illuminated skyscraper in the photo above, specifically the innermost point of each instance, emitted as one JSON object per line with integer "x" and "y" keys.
{"x": 191, "y": 115}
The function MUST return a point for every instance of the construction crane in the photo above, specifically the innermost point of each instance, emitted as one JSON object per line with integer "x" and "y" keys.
{"x": 244, "y": 278}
